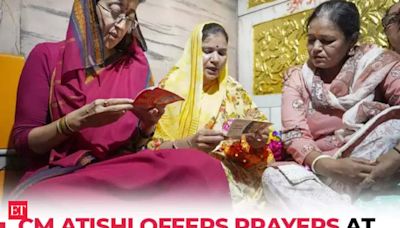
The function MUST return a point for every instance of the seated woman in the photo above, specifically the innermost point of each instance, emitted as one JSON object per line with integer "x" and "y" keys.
{"x": 340, "y": 116}
{"x": 76, "y": 120}
{"x": 211, "y": 99}
{"x": 391, "y": 24}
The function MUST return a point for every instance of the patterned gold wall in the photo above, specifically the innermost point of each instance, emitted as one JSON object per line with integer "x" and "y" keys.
{"x": 253, "y": 3}
{"x": 281, "y": 43}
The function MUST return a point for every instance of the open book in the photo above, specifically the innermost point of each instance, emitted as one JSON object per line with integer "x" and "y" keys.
{"x": 154, "y": 96}
{"x": 235, "y": 128}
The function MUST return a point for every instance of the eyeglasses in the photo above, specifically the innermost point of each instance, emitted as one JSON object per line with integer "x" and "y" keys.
{"x": 390, "y": 19}
{"x": 122, "y": 17}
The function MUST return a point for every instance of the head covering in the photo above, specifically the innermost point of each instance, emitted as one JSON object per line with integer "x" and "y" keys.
{"x": 84, "y": 38}
{"x": 184, "y": 119}
{"x": 125, "y": 77}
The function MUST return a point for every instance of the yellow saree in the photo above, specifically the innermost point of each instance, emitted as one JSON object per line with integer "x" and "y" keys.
{"x": 208, "y": 109}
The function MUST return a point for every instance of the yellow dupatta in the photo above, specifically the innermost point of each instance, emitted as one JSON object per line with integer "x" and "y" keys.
{"x": 183, "y": 119}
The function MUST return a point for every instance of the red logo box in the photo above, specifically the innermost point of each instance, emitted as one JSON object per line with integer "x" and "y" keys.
{"x": 17, "y": 210}
{"x": 2, "y": 225}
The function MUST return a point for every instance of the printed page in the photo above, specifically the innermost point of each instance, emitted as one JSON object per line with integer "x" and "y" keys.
{"x": 235, "y": 128}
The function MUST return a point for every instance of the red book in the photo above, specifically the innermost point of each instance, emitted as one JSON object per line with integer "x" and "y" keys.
{"x": 155, "y": 96}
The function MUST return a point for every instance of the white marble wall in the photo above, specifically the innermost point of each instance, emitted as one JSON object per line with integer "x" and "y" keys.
{"x": 166, "y": 25}
{"x": 10, "y": 11}
{"x": 43, "y": 20}
{"x": 269, "y": 104}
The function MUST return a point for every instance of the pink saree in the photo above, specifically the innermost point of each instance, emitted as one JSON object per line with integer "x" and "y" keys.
{"x": 115, "y": 172}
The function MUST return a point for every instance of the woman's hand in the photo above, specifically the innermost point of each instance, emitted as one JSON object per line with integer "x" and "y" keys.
{"x": 98, "y": 113}
{"x": 148, "y": 117}
{"x": 346, "y": 170}
{"x": 259, "y": 139}
{"x": 387, "y": 165}
{"x": 205, "y": 140}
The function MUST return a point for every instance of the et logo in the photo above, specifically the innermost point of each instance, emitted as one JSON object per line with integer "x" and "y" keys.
{"x": 17, "y": 210}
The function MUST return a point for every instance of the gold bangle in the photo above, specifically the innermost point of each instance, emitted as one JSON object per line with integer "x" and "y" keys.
{"x": 59, "y": 131}
{"x": 64, "y": 128}
{"x": 67, "y": 125}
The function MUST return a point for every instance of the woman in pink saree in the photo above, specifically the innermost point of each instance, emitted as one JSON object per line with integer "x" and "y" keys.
{"x": 340, "y": 116}
{"x": 75, "y": 118}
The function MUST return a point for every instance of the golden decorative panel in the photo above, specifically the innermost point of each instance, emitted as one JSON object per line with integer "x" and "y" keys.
{"x": 253, "y": 3}
{"x": 372, "y": 12}
{"x": 281, "y": 43}
{"x": 278, "y": 44}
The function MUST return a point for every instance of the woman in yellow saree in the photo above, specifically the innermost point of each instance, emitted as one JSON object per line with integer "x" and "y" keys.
{"x": 212, "y": 98}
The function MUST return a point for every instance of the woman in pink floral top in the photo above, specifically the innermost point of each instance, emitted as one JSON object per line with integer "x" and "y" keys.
{"x": 340, "y": 116}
